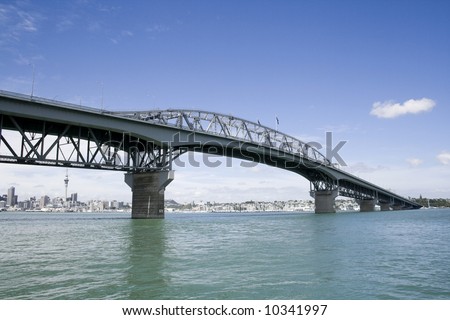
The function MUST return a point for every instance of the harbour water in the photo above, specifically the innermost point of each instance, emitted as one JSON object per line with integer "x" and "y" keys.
{"x": 377, "y": 255}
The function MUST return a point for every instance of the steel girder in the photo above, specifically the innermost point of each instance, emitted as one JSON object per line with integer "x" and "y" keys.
{"x": 25, "y": 141}
{"x": 352, "y": 190}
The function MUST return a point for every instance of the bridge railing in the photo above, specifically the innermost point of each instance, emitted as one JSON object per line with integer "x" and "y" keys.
{"x": 53, "y": 102}
{"x": 229, "y": 127}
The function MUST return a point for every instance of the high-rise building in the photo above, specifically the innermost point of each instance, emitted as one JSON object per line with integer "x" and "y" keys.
{"x": 11, "y": 197}
{"x": 66, "y": 182}
{"x": 45, "y": 200}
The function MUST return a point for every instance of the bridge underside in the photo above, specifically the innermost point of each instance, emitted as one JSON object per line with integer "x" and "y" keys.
{"x": 41, "y": 132}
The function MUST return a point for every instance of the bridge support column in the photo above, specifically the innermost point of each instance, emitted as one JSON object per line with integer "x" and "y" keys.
{"x": 366, "y": 205}
{"x": 324, "y": 201}
{"x": 148, "y": 193}
{"x": 398, "y": 207}
{"x": 385, "y": 206}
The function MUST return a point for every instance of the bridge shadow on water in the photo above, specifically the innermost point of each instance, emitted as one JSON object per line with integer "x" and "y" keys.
{"x": 230, "y": 255}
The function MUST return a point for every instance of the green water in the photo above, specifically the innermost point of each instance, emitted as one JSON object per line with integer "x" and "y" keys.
{"x": 380, "y": 255}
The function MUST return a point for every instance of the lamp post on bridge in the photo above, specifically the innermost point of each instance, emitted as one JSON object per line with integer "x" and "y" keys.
{"x": 32, "y": 81}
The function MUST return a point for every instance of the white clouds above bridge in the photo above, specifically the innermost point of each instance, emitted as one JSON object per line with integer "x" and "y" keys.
{"x": 444, "y": 158}
{"x": 390, "y": 109}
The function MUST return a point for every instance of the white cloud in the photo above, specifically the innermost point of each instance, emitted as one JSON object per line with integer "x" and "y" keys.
{"x": 127, "y": 33}
{"x": 390, "y": 109}
{"x": 17, "y": 21}
{"x": 27, "y": 22}
{"x": 27, "y": 61}
{"x": 444, "y": 158}
{"x": 157, "y": 28}
{"x": 66, "y": 23}
{"x": 414, "y": 161}
{"x": 124, "y": 34}
{"x": 359, "y": 168}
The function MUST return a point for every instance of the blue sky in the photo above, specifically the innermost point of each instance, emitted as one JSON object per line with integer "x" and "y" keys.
{"x": 316, "y": 65}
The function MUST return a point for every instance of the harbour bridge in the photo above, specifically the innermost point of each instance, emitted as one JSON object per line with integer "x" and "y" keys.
{"x": 144, "y": 144}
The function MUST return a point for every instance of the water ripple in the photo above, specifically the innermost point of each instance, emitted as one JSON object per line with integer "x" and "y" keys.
{"x": 393, "y": 255}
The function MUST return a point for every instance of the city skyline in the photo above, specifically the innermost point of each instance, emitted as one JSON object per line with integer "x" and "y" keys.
{"x": 11, "y": 201}
{"x": 13, "y": 197}
{"x": 374, "y": 74}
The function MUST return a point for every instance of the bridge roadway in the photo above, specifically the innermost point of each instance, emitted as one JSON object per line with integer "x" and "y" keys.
{"x": 144, "y": 144}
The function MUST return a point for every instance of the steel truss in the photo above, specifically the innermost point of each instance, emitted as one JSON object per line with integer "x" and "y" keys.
{"x": 321, "y": 182}
{"x": 229, "y": 127}
{"x": 351, "y": 190}
{"x": 25, "y": 141}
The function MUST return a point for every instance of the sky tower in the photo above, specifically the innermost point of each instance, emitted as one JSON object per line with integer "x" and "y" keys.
{"x": 66, "y": 182}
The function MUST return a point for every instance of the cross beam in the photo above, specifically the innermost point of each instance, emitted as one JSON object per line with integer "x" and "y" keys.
{"x": 55, "y": 144}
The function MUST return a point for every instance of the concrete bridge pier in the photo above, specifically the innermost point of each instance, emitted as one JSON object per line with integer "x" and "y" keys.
{"x": 385, "y": 206}
{"x": 367, "y": 205}
{"x": 148, "y": 193}
{"x": 324, "y": 200}
{"x": 398, "y": 207}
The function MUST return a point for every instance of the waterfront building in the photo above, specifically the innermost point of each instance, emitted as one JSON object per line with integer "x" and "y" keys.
{"x": 45, "y": 200}
{"x": 10, "y": 202}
